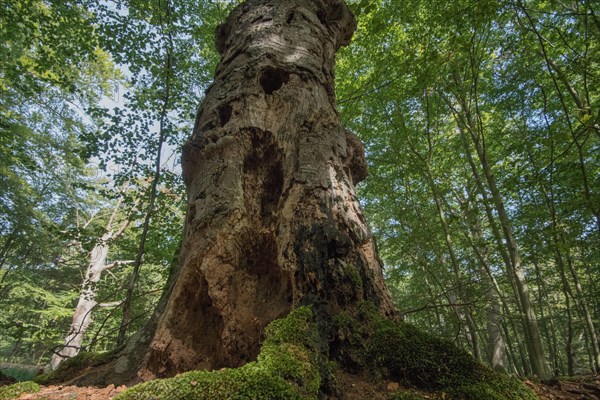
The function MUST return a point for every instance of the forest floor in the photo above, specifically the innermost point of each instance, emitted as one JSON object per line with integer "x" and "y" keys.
{"x": 581, "y": 388}
{"x": 354, "y": 388}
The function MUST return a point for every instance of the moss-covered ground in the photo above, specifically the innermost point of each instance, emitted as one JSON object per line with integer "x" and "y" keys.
{"x": 290, "y": 366}
{"x": 17, "y": 373}
{"x": 287, "y": 368}
{"x": 399, "y": 351}
{"x": 72, "y": 367}
{"x": 17, "y": 389}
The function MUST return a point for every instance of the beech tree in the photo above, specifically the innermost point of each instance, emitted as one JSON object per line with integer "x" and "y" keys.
{"x": 273, "y": 220}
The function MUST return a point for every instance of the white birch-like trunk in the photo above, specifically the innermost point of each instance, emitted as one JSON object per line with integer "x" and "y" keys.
{"x": 82, "y": 317}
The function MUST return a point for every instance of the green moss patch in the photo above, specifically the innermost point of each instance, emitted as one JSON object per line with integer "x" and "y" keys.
{"x": 400, "y": 351}
{"x": 286, "y": 368}
{"x": 16, "y": 390}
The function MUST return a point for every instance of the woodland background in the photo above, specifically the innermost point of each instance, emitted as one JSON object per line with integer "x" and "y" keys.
{"x": 481, "y": 121}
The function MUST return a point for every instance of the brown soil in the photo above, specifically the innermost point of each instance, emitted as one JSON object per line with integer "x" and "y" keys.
{"x": 74, "y": 393}
{"x": 582, "y": 388}
{"x": 354, "y": 387}
{"x": 360, "y": 388}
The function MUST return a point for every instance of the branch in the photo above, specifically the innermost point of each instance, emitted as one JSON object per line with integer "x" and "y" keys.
{"x": 561, "y": 75}
{"x": 111, "y": 304}
{"x": 429, "y": 307}
{"x": 116, "y": 264}
{"x": 125, "y": 223}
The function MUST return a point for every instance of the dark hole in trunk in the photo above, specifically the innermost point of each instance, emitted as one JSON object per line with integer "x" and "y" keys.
{"x": 322, "y": 17}
{"x": 225, "y": 114}
{"x": 273, "y": 185}
{"x": 272, "y": 79}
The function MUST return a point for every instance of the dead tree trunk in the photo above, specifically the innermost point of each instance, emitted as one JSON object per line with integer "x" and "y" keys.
{"x": 273, "y": 220}
{"x": 82, "y": 316}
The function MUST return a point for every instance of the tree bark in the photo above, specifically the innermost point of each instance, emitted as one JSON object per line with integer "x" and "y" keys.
{"x": 273, "y": 220}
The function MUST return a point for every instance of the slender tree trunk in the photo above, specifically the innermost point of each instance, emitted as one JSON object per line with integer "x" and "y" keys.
{"x": 498, "y": 313}
{"x": 569, "y": 343}
{"x": 511, "y": 354}
{"x": 496, "y": 341}
{"x": 579, "y": 303}
{"x": 499, "y": 245}
{"x": 464, "y": 311}
{"x": 533, "y": 337}
{"x": 5, "y": 249}
{"x": 162, "y": 134}
{"x": 592, "y": 279}
{"x": 550, "y": 333}
{"x": 273, "y": 220}
{"x": 534, "y": 342}
{"x": 82, "y": 316}
{"x": 594, "y": 348}
{"x": 489, "y": 212}
{"x": 583, "y": 112}
{"x": 561, "y": 242}
{"x": 133, "y": 279}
